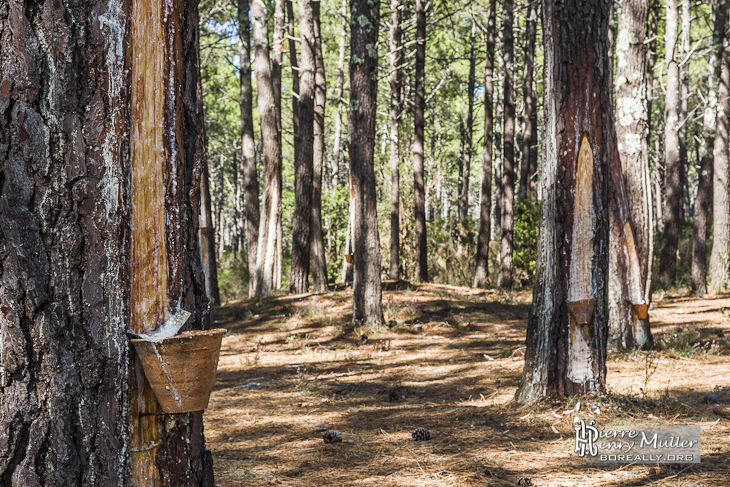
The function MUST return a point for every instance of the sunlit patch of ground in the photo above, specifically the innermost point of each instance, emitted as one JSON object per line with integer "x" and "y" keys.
{"x": 450, "y": 361}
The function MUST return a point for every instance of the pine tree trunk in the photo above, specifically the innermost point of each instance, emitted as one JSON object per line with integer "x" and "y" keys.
{"x": 366, "y": 290}
{"x": 683, "y": 52}
{"x": 485, "y": 206}
{"x": 266, "y": 254}
{"x": 720, "y": 257}
{"x": 508, "y": 161}
{"x": 277, "y": 42}
{"x": 626, "y": 329}
{"x": 303, "y": 164}
{"x": 469, "y": 135}
{"x": 673, "y": 190}
{"x": 248, "y": 144}
{"x": 703, "y": 202}
{"x": 419, "y": 196}
{"x": 340, "y": 96}
{"x": 529, "y": 131}
{"x": 207, "y": 236}
{"x": 92, "y": 243}
{"x": 318, "y": 259}
{"x": 394, "y": 78}
{"x": 568, "y": 323}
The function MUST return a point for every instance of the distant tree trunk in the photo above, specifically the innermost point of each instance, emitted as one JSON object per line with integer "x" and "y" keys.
{"x": 294, "y": 75}
{"x": 485, "y": 206}
{"x": 529, "y": 131}
{"x": 340, "y": 96}
{"x": 568, "y": 323}
{"x": 720, "y": 257}
{"x": 92, "y": 242}
{"x": 366, "y": 291}
{"x": 248, "y": 144}
{"x": 701, "y": 229}
{"x": 219, "y": 210}
{"x": 469, "y": 135}
{"x": 318, "y": 262}
{"x": 419, "y": 196}
{"x": 303, "y": 164}
{"x": 266, "y": 255}
{"x": 508, "y": 167}
{"x": 276, "y": 58}
{"x": 347, "y": 267}
{"x": 683, "y": 52}
{"x": 395, "y": 82}
{"x": 207, "y": 237}
{"x": 673, "y": 190}
{"x": 626, "y": 328}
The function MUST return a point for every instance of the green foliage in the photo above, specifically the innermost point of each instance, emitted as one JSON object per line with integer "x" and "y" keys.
{"x": 233, "y": 275}
{"x": 526, "y": 233}
{"x": 683, "y": 277}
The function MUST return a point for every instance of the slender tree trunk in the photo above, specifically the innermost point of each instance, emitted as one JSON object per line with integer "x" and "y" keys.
{"x": 508, "y": 171}
{"x": 568, "y": 323}
{"x": 294, "y": 76}
{"x": 92, "y": 243}
{"x": 720, "y": 257}
{"x": 419, "y": 196}
{"x": 318, "y": 259}
{"x": 303, "y": 164}
{"x": 626, "y": 328}
{"x": 207, "y": 237}
{"x": 276, "y": 57}
{"x": 529, "y": 131}
{"x": 347, "y": 265}
{"x": 395, "y": 81}
{"x": 485, "y": 206}
{"x": 683, "y": 52}
{"x": 469, "y": 135}
{"x": 248, "y": 145}
{"x": 673, "y": 190}
{"x": 266, "y": 255}
{"x": 366, "y": 291}
{"x": 340, "y": 95}
{"x": 220, "y": 241}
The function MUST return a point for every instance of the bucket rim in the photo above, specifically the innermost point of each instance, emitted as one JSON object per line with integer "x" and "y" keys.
{"x": 186, "y": 334}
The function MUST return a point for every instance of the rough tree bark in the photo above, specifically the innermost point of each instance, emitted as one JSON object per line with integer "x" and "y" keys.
{"x": 469, "y": 135}
{"x": 481, "y": 276}
{"x": 207, "y": 236}
{"x": 508, "y": 161}
{"x": 266, "y": 254}
{"x": 91, "y": 242}
{"x": 673, "y": 190}
{"x": 340, "y": 96}
{"x": 366, "y": 290}
{"x": 682, "y": 52}
{"x": 318, "y": 259}
{"x": 626, "y": 329}
{"x": 720, "y": 257}
{"x": 419, "y": 196}
{"x": 394, "y": 77}
{"x": 248, "y": 145}
{"x": 276, "y": 57}
{"x": 568, "y": 323}
{"x": 303, "y": 163}
{"x": 529, "y": 131}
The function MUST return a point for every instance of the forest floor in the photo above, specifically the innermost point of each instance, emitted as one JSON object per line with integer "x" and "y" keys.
{"x": 290, "y": 369}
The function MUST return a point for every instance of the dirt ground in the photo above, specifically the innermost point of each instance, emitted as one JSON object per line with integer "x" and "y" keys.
{"x": 450, "y": 361}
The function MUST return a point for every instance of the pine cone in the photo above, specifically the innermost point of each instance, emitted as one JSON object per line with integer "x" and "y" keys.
{"x": 525, "y": 482}
{"x": 420, "y": 434}
{"x": 332, "y": 436}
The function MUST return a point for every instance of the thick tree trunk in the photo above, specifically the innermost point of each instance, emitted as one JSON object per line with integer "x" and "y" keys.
{"x": 720, "y": 258}
{"x": 248, "y": 144}
{"x": 419, "y": 195}
{"x": 318, "y": 262}
{"x": 508, "y": 161}
{"x": 303, "y": 163}
{"x": 568, "y": 323}
{"x": 529, "y": 131}
{"x": 92, "y": 243}
{"x": 673, "y": 190}
{"x": 469, "y": 135}
{"x": 626, "y": 329}
{"x": 394, "y": 78}
{"x": 266, "y": 254}
{"x": 340, "y": 96}
{"x": 366, "y": 291}
{"x": 485, "y": 206}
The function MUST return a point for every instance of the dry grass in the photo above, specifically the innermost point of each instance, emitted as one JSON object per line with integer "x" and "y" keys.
{"x": 291, "y": 368}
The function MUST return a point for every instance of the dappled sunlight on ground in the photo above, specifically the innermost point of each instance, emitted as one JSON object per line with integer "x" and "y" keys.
{"x": 450, "y": 361}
